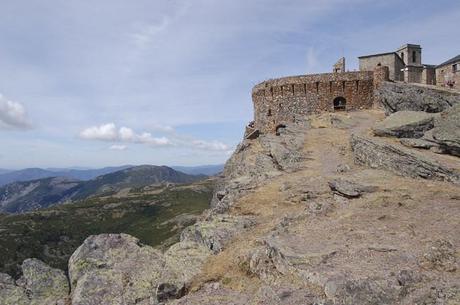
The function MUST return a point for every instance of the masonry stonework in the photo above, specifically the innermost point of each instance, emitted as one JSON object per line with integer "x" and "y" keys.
{"x": 282, "y": 101}
{"x": 391, "y": 60}
{"x": 279, "y": 102}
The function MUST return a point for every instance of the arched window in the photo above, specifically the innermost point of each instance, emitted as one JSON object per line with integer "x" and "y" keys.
{"x": 414, "y": 56}
{"x": 340, "y": 104}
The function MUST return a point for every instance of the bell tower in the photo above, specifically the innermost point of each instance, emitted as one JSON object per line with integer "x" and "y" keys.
{"x": 411, "y": 54}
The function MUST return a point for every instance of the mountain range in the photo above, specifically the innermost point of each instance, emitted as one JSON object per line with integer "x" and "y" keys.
{"x": 4, "y": 171}
{"x": 23, "y": 196}
{"x": 28, "y": 174}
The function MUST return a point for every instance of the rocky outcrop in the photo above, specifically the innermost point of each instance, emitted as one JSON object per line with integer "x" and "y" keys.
{"x": 376, "y": 153}
{"x": 400, "y": 96}
{"x": 350, "y": 189}
{"x": 257, "y": 160}
{"x": 118, "y": 269}
{"x": 447, "y": 131}
{"x": 115, "y": 269}
{"x": 405, "y": 124}
{"x": 418, "y": 143}
{"x": 10, "y": 293}
{"x": 217, "y": 231}
{"x": 39, "y": 285}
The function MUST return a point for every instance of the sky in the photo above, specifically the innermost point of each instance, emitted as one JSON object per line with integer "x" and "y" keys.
{"x": 111, "y": 82}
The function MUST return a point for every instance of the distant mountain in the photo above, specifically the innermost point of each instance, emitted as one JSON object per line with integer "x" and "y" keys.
{"x": 18, "y": 197}
{"x": 133, "y": 177}
{"x": 208, "y": 170}
{"x": 38, "y": 173}
{"x": 4, "y": 171}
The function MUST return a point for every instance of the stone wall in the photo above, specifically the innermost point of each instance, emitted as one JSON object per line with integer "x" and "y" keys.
{"x": 444, "y": 73}
{"x": 413, "y": 74}
{"x": 391, "y": 60}
{"x": 429, "y": 76}
{"x": 282, "y": 101}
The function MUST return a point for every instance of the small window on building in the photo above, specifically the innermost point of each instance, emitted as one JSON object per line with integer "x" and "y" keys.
{"x": 455, "y": 68}
{"x": 402, "y": 56}
{"x": 414, "y": 56}
{"x": 269, "y": 113}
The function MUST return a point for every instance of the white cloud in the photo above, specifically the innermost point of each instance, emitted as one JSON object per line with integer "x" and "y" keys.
{"x": 106, "y": 132}
{"x": 13, "y": 115}
{"x": 118, "y": 147}
{"x": 109, "y": 132}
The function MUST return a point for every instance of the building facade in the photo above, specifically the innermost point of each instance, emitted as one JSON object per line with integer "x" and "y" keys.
{"x": 406, "y": 65}
{"x": 282, "y": 101}
{"x": 448, "y": 73}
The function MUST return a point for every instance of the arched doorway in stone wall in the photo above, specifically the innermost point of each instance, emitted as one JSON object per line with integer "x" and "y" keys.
{"x": 340, "y": 104}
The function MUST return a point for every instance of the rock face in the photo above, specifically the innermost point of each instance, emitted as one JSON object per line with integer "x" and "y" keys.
{"x": 447, "y": 131}
{"x": 257, "y": 160}
{"x": 46, "y": 285}
{"x": 349, "y": 189}
{"x": 118, "y": 269}
{"x": 383, "y": 155}
{"x": 39, "y": 285}
{"x": 11, "y": 294}
{"x": 216, "y": 232}
{"x": 405, "y": 124}
{"x": 417, "y": 143}
{"x": 115, "y": 269}
{"x": 398, "y": 97}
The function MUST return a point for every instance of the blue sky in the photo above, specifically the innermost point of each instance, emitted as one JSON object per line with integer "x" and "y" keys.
{"x": 110, "y": 82}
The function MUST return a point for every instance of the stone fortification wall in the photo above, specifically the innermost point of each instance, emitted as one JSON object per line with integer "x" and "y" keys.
{"x": 281, "y": 101}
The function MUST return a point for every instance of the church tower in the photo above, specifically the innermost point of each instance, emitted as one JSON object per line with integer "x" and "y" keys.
{"x": 411, "y": 54}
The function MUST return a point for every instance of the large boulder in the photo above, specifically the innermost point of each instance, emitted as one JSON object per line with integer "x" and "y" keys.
{"x": 405, "y": 124}
{"x": 447, "y": 131}
{"x": 44, "y": 284}
{"x": 185, "y": 259}
{"x": 11, "y": 294}
{"x": 349, "y": 189}
{"x": 39, "y": 285}
{"x": 400, "y": 96}
{"x": 115, "y": 269}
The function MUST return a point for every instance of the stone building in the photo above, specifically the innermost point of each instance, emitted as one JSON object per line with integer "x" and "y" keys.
{"x": 405, "y": 64}
{"x": 448, "y": 73}
{"x": 282, "y": 101}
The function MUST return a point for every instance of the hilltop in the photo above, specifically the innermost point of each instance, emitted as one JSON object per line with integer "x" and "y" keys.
{"x": 19, "y": 197}
{"x": 339, "y": 208}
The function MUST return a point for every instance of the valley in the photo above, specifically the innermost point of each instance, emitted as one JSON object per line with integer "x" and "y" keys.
{"x": 155, "y": 214}
{"x": 23, "y": 196}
